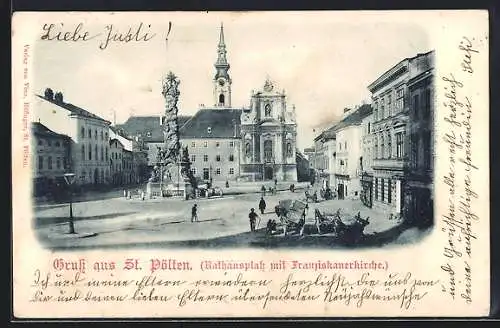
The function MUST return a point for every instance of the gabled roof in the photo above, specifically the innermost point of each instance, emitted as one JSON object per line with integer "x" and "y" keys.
{"x": 41, "y": 130}
{"x": 73, "y": 109}
{"x": 220, "y": 121}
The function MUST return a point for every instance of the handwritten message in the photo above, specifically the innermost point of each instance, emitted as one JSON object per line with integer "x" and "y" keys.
{"x": 26, "y": 105}
{"x": 111, "y": 34}
{"x": 351, "y": 283}
{"x": 460, "y": 216}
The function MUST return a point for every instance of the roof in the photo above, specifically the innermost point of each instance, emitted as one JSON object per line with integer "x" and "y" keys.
{"x": 220, "y": 121}
{"x": 41, "y": 130}
{"x": 73, "y": 109}
{"x": 354, "y": 118}
{"x": 148, "y": 127}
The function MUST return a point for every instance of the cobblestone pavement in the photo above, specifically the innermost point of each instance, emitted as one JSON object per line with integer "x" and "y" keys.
{"x": 133, "y": 222}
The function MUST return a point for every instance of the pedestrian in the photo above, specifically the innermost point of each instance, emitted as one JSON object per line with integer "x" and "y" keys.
{"x": 227, "y": 184}
{"x": 253, "y": 218}
{"x": 194, "y": 213}
{"x": 262, "y": 205}
{"x": 263, "y": 189}
{"x": 125, "y": 193}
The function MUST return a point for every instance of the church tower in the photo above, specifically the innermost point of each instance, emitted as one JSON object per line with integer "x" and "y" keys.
{"x": 222, "y": 81}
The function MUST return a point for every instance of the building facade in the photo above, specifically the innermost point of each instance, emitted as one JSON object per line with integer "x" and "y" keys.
{"x": 366, "y": 161}
{"x": 390, "y": 97}
{"x": 116, "y": 162}
{"x": 419, "y": 188}
{"x": 324, "y": 158}
{"x": 349, "y": 158}
{"x": 88, "y": 132}
{"x": 269, "y": 137}
{"x": 51, "y": 159}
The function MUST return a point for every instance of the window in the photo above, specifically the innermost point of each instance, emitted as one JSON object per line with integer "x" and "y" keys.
{"x": 209, "y": 130}
{"x": 102, "y": 153}
{"x": 206, "y": 173}
{"x": 368, "y": 127}
{"x": 95, "y": 134}
{"x": 205, "y": 144}
{"x": 382, "y": 107}
{"x": 50, "y": 163}
{"x": 193, "y": 144}
{"x": 415, "y": 105}
{"x": 231, "y": 158}
{"x": 102, "y": 135}
{"x": 231, "y": 170}
{"x": 268, "y": 150}
{"x": 389, "y": 191}
{"x": 58, "y": 144}
{"x": 205, "y": 158}
{"x": 193, "y": 170}
{"x": 193, "y": 158}
{"x": 217, "y": 171}
{"x": 49, "y": 143}
{"x": 90, "y": 133}
{"x": 382, "y": 189}
{"x": 90, "y": 152}
{"x": 399, "y": 99}
{"x": 82, "y": 132}
{"x": 375, "y": 110}
{"x": 58, "y": 162}
{"x": 399, "y": 145}
{"x": 376, "y": 188}
{"x": 106, "y": 136}
{"x": 40, "y": 162}
{"x": 289, "y": 150}
{"x": 217, "y": 144}
{"x": 427, "y": 104}
{"x": 382, "y": 149}
{"x": 345, "y": 145}
{"x": 106, "y": 154}
{"x": 414, "y": 150}
{"x": 267, "y": 110}
{"x": 389, "y": 146}
{"x": 389, "y": 105}
{"x": 427, "y": 150}
{"x": 376, "y": 147}
{"x": 221, "y": 99}
{"x": 247, "y": 149}
{"x": 96, "y": 153}
{"x": 217, "y": 158}
{"x": 83, "y": 152}
{"x": 231, "y": 143}
{"x": 40, "y": 142}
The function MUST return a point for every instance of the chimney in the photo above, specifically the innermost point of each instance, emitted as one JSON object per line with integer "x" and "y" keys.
{"x": 49, "y": 94}
{"x": 58, "y": 97}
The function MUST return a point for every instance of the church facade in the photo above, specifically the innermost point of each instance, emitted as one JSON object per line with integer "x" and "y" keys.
{"x": 269, "y": 137}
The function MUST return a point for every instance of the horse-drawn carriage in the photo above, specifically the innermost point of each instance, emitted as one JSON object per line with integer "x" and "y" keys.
{"x": 346, "y": 228}
{"x": 291, "y": 213}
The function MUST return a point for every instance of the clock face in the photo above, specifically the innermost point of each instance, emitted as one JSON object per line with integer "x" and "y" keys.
{"x": 221, "y": 82}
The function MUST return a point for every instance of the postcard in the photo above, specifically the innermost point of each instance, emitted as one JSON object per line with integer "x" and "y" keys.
{"x": 250, "y": 164}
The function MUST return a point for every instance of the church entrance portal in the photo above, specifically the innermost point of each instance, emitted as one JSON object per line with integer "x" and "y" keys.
{"x": 268, "y": 173}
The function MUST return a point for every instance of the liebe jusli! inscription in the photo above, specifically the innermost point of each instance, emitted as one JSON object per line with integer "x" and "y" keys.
{"x": 350, "y": 283}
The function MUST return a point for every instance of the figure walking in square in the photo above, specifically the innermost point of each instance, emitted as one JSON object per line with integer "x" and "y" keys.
{"x": 262, "y": 205}
{"x": 194, "y": 213}
{"x": 253, "y": 218}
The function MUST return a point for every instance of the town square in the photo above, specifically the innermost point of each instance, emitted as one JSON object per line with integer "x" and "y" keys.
{"x": 257, "y": 173}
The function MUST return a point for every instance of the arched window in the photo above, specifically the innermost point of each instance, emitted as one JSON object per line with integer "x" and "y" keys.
{"x": 247, "y": 148}
{"x": 267, "y": 110}
{"x": 268, "y": 151}
{"x": 90, "y": 133}
{"x": 83, "y": 152}
{"x": 221, "y": 99}
{"x": 90, "y": 155}
{"x": 82, "y": 132}
{"x": 382, "y": 149}
{"x": 96, "y": 152}
{"x": 389, "y": 146}
{"x": 102, "y": 152}
{"x": 102, "y": 135}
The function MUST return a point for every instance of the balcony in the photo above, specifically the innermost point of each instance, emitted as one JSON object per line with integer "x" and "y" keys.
{"x": 389, "y": 164}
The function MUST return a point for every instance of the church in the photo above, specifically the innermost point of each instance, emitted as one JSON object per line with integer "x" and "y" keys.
{"x": 227, "y": 143}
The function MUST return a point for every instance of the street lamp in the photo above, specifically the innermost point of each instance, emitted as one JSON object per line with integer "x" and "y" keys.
{"x": 70, "y": 178}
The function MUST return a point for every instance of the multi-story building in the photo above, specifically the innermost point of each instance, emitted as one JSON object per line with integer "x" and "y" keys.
{"x": 51, "y": 159}
{"x": 390, "y": 98}
{"x": 88, "y": 133}
{"x": 324, "y": 158}
{"x": 349, "y": 153}
{"x": 419, "y": 189}
{"x": 214, "y": 149}
{"x": 116, "y": 161}
{"x": 366, "y": 161}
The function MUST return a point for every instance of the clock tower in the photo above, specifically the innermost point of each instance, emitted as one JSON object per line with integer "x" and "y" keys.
{"x": 222, "y": 81}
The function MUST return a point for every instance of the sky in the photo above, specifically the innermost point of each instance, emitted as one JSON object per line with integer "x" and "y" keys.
{"x": 323, "y": 61}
